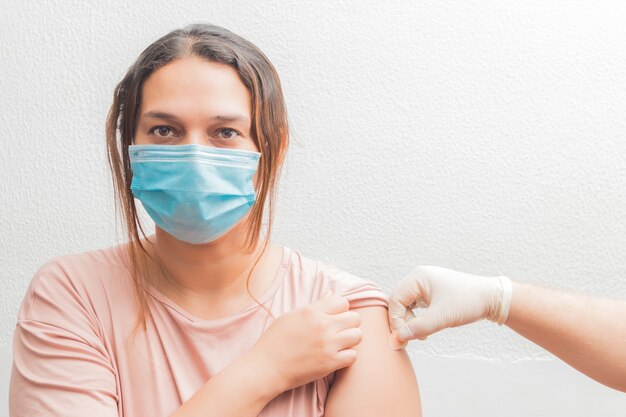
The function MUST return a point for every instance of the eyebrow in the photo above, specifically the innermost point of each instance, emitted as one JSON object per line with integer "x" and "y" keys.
{"x": 225, "y": 117}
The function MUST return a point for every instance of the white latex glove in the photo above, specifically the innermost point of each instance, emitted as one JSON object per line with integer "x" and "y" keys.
{"x": 446, "y": 298}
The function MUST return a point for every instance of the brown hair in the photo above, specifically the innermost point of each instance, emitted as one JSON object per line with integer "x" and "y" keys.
{"x": 269, "y": 129}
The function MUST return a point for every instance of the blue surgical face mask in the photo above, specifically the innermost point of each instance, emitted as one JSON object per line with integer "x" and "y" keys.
{"x": 195, "y": 193}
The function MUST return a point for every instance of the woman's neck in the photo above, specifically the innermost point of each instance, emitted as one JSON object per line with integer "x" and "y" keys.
{"x": 209, "y": 279}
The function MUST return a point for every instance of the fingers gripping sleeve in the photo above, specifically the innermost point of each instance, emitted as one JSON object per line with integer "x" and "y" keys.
{"x": 359, "y": 292}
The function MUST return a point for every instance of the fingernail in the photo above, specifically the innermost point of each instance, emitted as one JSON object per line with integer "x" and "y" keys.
{"x": 394, "y": 343}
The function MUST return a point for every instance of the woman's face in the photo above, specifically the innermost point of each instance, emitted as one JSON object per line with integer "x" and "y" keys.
{"x": 194, "y": 101}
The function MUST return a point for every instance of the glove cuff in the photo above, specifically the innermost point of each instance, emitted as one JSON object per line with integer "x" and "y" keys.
{"x": 506, "y": 287}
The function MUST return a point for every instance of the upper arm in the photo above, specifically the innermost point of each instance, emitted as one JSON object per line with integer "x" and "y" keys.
{"x": 60, "y": 364}
{"x": 381, "y": 381}
{"x": 56, "y": 373}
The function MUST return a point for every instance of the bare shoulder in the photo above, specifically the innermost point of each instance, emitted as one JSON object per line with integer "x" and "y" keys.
{"x": 381, "y": 381}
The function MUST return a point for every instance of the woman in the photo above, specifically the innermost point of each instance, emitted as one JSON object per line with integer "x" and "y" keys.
{"x": 227, "y": 323}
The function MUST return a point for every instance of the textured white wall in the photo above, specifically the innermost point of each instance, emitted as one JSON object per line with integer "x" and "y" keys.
{"x": 487, "y": 136}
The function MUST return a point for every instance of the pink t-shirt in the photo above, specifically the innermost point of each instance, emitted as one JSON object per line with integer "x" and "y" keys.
{"x": 72, "y": 355}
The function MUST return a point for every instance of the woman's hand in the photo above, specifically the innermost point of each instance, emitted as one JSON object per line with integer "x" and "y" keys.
{"x": 309, "y": 343}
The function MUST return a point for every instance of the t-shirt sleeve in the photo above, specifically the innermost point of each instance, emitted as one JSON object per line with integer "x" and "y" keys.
{"x": 359, "y": 292}
{"x": 60, "y": 364}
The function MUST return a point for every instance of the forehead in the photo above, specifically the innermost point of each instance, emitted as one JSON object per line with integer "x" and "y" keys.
{"x": 192, "y": 85}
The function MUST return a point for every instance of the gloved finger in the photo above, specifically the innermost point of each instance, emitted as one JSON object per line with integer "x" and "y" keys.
{"x": 402, "y": 297}
{"x": 409, "y": 315}
{"x": 420, "y": 327}
{"x": 406, "y": 296}
{"x": 332, "y": 304}
{"x": 407, "y": 292}
{"x": 397, "y": 314}
{"x": 393, "y": 337}
{"x": 394, "y": 343}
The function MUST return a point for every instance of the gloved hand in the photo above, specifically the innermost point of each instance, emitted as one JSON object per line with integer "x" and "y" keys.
{"x": 447, "y": 299}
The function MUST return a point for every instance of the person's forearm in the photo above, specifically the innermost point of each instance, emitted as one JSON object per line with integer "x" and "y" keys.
{"x": 586, "y": 332}
{"x": 242, "y": 389}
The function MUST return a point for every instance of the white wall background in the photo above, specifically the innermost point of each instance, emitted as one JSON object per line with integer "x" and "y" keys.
{"x": 487, "y": 136}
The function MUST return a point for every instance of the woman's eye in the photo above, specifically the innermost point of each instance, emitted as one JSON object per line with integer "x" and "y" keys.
{"x": 163, "y": 131}
{"x": 227, "y": 133}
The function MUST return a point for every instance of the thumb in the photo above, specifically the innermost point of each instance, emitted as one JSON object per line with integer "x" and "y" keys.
{"x": 421, "y": 326}
{"x": 332, "y": 304}
{"x": 397, "y": 313}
